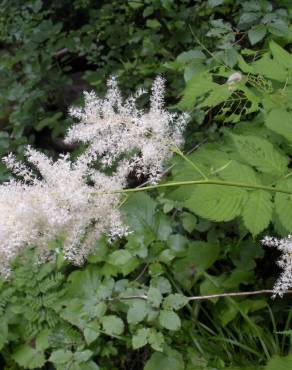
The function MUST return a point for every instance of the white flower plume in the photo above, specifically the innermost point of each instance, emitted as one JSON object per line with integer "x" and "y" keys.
{"x": 285, "y": 262}
{"x": 73, "y": 201}
{"x": 114, "y": 128}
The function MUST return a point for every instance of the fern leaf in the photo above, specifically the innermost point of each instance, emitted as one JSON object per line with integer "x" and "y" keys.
{"x": 257, "y": 211}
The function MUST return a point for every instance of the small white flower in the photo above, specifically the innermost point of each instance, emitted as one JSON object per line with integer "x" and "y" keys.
{"x": 285, "y": 262}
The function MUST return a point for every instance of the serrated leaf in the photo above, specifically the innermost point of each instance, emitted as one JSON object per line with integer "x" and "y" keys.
{"x": 283, "y": 204}
{"x": 156, "y": 340}
{"x": 28, "y": 357}
{"x": 196, "y": 87}
{"x": 189, "y": 221}
{"x": 120, "y": 257}
{"x": 260, "y": 153}
{"x": 171, "y": 360}
{"x": 280, "y": 121}
{"x": 257, "y": 33}
{"x": 140, "y": 339}
{"x": 61, "y": 356}
{"x": 137, "y": 312}
{"x": 112, "y": 324}
{"x": 257, "y": 211}
{"x": 169, "y": 320}
{"x": 175, "y": 301}
{"x": 215, "y": 202}
{"x": 154, "y": 297}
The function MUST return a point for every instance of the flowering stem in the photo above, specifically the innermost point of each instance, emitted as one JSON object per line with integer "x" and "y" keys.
{"x": 202, "y": 182}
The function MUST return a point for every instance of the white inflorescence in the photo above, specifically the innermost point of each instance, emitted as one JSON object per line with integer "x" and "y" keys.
{"x": 58, "y": 201}
{"x": 114, "y": 128}
{"x": 285, "y": 262}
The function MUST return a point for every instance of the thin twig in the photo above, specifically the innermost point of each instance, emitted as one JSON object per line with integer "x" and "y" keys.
{"x": 206, "y": 297}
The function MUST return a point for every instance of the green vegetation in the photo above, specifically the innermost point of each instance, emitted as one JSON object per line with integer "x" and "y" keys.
{"x": 129, "y": 306}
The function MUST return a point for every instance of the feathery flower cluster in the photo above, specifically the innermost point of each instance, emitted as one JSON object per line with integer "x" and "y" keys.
{"x": 59, "y": 201}
{"x": 285, "y": 262}
{"x": 115, "y": 128}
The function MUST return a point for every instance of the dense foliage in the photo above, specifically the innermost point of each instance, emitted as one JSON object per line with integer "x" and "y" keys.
{"x": 130, "y": 306}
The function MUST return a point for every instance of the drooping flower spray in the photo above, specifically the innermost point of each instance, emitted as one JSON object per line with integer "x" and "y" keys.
{"x": 49, "y": 198}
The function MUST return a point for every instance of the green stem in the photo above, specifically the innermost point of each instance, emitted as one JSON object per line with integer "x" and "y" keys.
{"x": 180, "y": 153}
{"x": 201, "y": 182}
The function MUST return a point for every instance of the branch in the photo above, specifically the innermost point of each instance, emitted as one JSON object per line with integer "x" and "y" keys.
{"x": 201, "y": 182}
{"x": 205, "y": 297}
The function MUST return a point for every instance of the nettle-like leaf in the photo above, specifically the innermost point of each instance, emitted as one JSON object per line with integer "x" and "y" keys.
{"x": 283, "y": 204}
{"x": 257, "y": 211}
{"x": 261, "y": 154}
{"x": 216, "y": 202}
{"x": 280, "y": 121}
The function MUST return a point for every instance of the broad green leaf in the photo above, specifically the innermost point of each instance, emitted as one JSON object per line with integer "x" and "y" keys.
{"x": 140, "y": 339}
{"x": 235, "y": 171}
{"x": 279, "y": 363}
{"x": 112, "y": 325}
{"x": 137, "y": 311}
{"x": 216, "y": 202}
{"x": 169, "y": 320}
{"x": 156, "y": 340}
{"x": 82, "y": 356}
{"x": 120, "y": 257}
{"x": 218, "y": 94}
{"x": 257, "y": 33}
{"x": 196, "y": 87}
{"x": 257, "y": 211}
{"x": 61, "y": 356}
{"x": 283, "y": 204}
{"x": 154, "y": 297}
{"x": 280, "y": 121}
{"x": 203, "y": 254}
{"x": 175, "y": 301}
{"x": 171, "y": 360}
{"x": 260, "y": 153}
{"x": 189, "y": 221}
{"x": 28, "y": 357}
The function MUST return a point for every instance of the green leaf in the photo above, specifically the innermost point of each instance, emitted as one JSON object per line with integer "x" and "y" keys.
{"x": 260, "y": 153}
{"x": 172, "y": 360}
{"x": 82, "y": 356}
{"x": 61, "y": 356}
{"x": 91, "y": 332}
{"x": 257, "y": 33}
{"x": 203, "y": 254}
{"x": 28, "y": 357}
{"x": 140, "y": 339}
{"x": 112, "y": 325}
{"x": 283, "y": 204}
{"x": 175, "y": 302}
{"x": 156, "y": 340}
{"x": 279, "y": 363}
{"x": 189, "y": 221}
{"x": 154, "y": 297}
{"x": 137, "y": 312}
{"x": 196, "y": 87}
{"x": 120, "y": 257}
{"x": 3, "y": 332}
{"x": 215, "y": 202}
{"x": 257, "y": 211}
{"x": 169, "y": 320}
{"x": 280, "y": 121}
